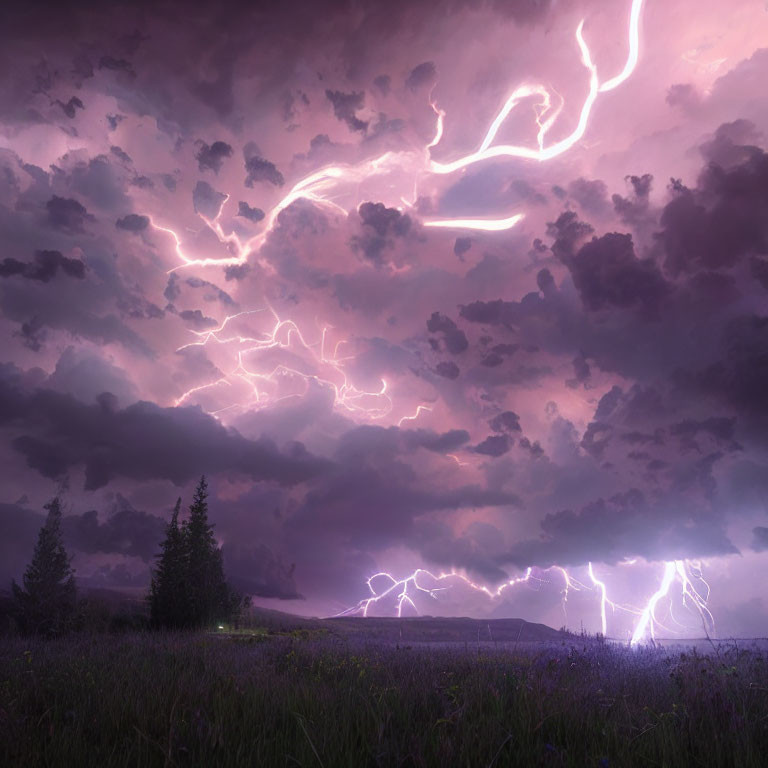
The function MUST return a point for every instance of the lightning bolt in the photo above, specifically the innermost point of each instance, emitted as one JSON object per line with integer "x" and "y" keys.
{"x": 285, "y": 335}
{"x": 319, "y": 186}
{"x": 412, "y": 581}
{"x": 422, "y": 581}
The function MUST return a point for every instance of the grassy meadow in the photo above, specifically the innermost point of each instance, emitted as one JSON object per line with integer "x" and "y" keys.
{"x": 327, "y": 696}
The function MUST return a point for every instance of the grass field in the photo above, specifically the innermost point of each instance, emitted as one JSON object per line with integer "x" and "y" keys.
{"x": 319, "y": 697}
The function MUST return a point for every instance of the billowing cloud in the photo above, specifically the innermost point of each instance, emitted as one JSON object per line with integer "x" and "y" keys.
{"x": 230, "y": 267}
{"x": 44, "y": 267}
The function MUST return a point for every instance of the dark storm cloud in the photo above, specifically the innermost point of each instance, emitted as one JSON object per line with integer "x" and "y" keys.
{"x": 258, "y": 169}
{"x": 740, "y": 377}
{"x": 211, "y": 292}
{"x": 344, "y": 107}
{"x": 367, "y": 444}
{"x": 431, "y": 441}
{"x": 196, "y": 319}
{"x": 255, "y": 571}
{"x": 607, "y": 273}
{"x": 126, "y": 531}
{"x": 420, "y": 76}
{"x": 682, "y": 331}
{"x": 494, "y": 446}
{"x": 85, "y": 374}
{"x": 247, "y": 212}
{"x": 590, "y": 194}
{"x": 133, "y": 222}
{"x": 141, "y": 442}
{"x": 448, "y": 370}
{"x": 722, "y": 220}
{"x": 455, "y": 339}
{"x": 90, "y": 308}
{"x": 67, "y": 214}
{"x": 211, "y": 157}
{"x": 462, "y": 245}
{"x": 69, "y": 108}
{"x": 506, "y": 421}
{"x": 633, "y": 210}
{"x": 472, "y": 551}
{"x": 380, "y": 227}
{"x": 374, "y": 497}
{"x": 624, "y": 525}
{"x": 581, "y": 372}
{"x": 375, "y": 500}
{"x": 44, "y": 267}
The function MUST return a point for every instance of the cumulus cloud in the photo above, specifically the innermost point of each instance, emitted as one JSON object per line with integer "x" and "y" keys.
{"x": 247, "y": 212}
{"x": 380, "y": 227}
{"x": 133, "y": 222}
{"x": 344, "y": 107}
{"x": 454, "y": 338}
{"x": 45, "y": 266}
{"x": 67, "y": 213}
{"x": 421, "y": 76}
{"x": 212, "y": 156}
{"x": 605, "y": 373}
{"x": 258, "y": 169}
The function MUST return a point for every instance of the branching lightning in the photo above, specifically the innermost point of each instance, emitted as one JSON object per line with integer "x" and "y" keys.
{"x": 385, "y": 588}
{"x": 319, "y": 186}
{"x": 327, "y": 367}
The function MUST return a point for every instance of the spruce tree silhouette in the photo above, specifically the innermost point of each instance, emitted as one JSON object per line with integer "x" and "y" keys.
{"x": 188, "y": 587}
{"x": 168, "y": 603}
{"x": 47, "y": 601}
{"x": 206, "y": 586}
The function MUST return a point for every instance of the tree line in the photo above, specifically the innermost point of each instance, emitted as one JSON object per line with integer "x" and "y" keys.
{"x": 188, "y": 588}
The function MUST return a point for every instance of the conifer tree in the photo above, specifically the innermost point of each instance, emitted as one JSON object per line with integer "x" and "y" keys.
{"x": 207, "y": 589}
{"x": 46, "y": 602}
{"x": 168, "y": 603}
{"x": 188, "y": 586}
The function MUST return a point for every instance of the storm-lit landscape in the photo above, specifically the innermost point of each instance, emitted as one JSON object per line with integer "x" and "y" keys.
{"x": 384, "y": 383}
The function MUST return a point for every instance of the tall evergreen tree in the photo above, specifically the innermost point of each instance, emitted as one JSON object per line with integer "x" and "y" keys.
{"x": 206, "y": 586}
{"x": 46, "y": 602}
{"x": 188, "y": 587}
{"x": 168, "y": 603}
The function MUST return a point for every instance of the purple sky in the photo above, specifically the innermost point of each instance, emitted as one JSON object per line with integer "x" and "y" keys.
{"x": 586, "y": 386}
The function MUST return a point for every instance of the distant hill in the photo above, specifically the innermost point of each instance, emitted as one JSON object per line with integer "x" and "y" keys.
{"x": 434, "y": 629}
{"x": 102, "y": 608}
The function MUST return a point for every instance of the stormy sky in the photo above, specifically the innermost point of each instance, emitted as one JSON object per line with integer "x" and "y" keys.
{"x": 364, "y": 390}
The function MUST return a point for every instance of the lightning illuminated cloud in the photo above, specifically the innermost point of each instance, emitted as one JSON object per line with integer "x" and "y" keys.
{"x": 411, "y": 167}
{"x": 325, "y": 368}
{"x": 319, "y": 185}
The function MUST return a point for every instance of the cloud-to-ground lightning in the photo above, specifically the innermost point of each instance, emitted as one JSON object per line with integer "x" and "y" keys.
{"x": 412, "y": 581}
{"x": 322, "y": 187}
{"x": 424, "y": 582}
